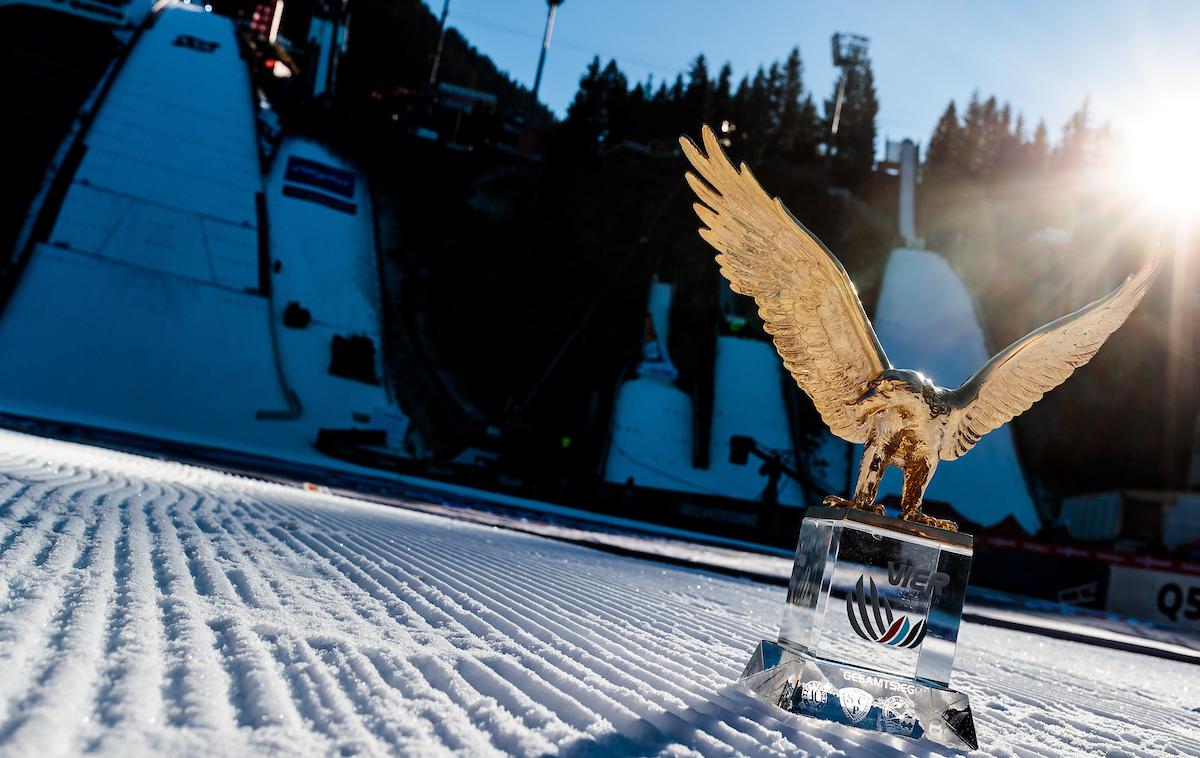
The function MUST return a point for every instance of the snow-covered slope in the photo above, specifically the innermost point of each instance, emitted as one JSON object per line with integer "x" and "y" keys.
{"x": 748, "y": 400}
{"x": 141, "y": 312}
{"x": 652, "y": 432}
{"x": 323, "y": 260}
{"x": 155, "y": 304}
{"x": 148, "y": 606}
{"x": 926, "y": 321}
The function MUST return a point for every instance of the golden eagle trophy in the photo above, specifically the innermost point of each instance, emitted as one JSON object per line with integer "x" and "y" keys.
{"x": 821, "y": 331}
{"x": 885, "y": 663}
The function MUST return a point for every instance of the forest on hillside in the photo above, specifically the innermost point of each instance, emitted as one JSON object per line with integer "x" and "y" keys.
{"x": 527, "y": 279}
{"x": 1038, "y": 228}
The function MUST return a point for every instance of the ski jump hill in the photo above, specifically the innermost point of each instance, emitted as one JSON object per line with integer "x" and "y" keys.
{"x": 152, "y": 607}
{"x": 155, "y": 304}
{"x": 926, "y": 320}
{"x": 181, "y": 294}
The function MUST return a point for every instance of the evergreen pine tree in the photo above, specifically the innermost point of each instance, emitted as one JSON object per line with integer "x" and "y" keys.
{"x": 1075, "y": 148}
{"x": 795, "y": 136}
{"x": 943, "y": 156}
{"x": 658, "y": 112}
{"x": 637, "y": 111}
{"x": 752, "y": 114}
{"x": 811, "y": 133}
{"x": 971, "y": 152}
{"x": 600, "y": 111}
{"x": 697, "y": 102}
{"x": 722, "y": 98}
{"x": 585, "y": 115}
{"x": 775, "y": 102}
{"x": 677, "y": 89}
{"x": 1039, "y": 148}
{"x": 614, "y": 89}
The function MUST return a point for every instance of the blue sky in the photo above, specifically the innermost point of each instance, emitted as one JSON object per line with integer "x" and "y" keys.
{"x": 1043, "y": 57}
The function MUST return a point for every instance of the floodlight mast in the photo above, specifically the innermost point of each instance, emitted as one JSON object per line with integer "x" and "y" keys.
{"x": 550, "y": 13}
{"x": 437, "y": 53}
{"x": 849, "y": 51}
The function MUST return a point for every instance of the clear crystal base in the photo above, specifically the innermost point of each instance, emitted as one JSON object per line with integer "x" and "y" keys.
{"x": 870, "y": 627}
{"x": 859, "y": 697}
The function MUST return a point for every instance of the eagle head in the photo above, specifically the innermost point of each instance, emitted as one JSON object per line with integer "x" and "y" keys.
{"x": 902, "y": 387}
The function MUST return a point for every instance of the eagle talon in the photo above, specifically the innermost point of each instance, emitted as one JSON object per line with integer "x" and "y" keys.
{"x": 838, "y": 502}
{"x": 937, "y": 523}
{"x": 841, "y": 502}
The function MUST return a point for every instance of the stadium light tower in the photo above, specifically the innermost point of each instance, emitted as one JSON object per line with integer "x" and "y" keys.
{"x": 551, "y": 10}
{"x": 849, "y": 52}
{"x": 437, "y": 53}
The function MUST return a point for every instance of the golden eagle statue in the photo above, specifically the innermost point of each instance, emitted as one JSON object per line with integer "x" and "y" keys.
{"x": 821, "y": 331}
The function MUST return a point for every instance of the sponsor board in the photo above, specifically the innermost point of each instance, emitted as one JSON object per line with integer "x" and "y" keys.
{"x": 195, "y": 43}
{"x": 327, "y": 178}
{"x": 300, "y": 193}
{"x": 1161, "y": 596}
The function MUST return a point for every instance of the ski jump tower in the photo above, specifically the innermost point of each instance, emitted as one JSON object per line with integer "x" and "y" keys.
{"x": 327, "y": 41}
{"x": 926, "y": 318}
{"x": 904, "y": 153}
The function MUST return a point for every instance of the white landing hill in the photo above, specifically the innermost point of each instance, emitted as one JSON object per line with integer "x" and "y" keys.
{"x": 926, "y": 321}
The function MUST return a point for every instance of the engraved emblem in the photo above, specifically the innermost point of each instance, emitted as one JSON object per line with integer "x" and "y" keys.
{"x": 856, "y": 703}
{"x": 897, "y": 716}
{"x": 814, "y": 695}
{"x": 871, "y": 618}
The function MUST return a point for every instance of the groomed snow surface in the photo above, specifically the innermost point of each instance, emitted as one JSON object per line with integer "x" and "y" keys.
{"x": 149, "y": 606}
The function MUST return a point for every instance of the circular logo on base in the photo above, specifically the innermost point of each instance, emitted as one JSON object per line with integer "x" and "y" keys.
{"x": 897, "y": 716}
{"x": 814, "y": 695}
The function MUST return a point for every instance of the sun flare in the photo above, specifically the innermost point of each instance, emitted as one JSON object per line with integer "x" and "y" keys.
{"x": 1160, "y": 163}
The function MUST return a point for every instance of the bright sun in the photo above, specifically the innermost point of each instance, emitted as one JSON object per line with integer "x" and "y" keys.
{"x": 1160, "y": 161}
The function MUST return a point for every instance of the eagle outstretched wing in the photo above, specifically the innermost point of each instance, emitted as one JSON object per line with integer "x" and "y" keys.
{"x": 1019, "y": 375}
{"x": 804, "y": 296}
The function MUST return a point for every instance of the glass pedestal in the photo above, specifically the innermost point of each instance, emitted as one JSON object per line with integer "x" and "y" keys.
{"x": 870, "y": 626}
